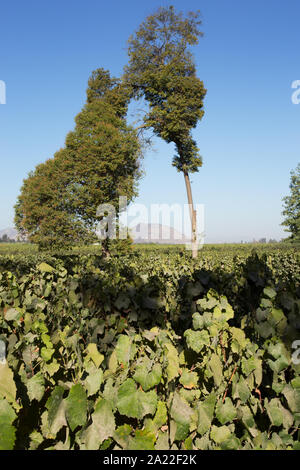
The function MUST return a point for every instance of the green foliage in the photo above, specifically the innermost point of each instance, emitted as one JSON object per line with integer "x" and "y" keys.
{"x": 58, "y": 203}
{"x": 291, "y": 210}
{"x": 7, "y": 430}
{"x": 161, "y": 69}
{"x": 91, "y": 365}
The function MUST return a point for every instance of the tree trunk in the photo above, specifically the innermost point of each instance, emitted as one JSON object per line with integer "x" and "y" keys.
{"x": 193, "y": 214}
{"x": 105, "y": 246}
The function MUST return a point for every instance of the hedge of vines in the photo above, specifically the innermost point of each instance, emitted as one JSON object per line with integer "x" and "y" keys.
{"x": 150, "y": 352}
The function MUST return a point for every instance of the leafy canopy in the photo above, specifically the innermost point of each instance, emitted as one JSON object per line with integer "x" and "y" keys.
{"x": 91, "y": 365}
{"x": 100, "y": 162}
{"x": 161, "y": 69}
{"x": 292, "y": 206}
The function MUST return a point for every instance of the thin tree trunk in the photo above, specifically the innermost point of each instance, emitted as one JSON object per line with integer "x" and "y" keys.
{"x": 193, "y": 214}
{"x": 105, "y": 246}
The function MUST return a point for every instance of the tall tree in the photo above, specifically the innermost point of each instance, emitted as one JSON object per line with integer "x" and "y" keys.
{"x": 100, "y": 162}
{"x": 43, "y": 213}
{"x": 162, "y": 70}
{"x": 291, "y": 210}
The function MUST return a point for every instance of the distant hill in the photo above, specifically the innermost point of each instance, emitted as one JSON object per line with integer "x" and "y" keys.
{"x": 157, "y": 233}
{"x": 141, "y": 233}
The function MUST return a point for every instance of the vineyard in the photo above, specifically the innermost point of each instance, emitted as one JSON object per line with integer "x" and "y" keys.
{"x": 151, "y": 350}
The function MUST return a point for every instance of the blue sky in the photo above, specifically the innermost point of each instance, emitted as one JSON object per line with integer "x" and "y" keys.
{"x": 249, "y": 137}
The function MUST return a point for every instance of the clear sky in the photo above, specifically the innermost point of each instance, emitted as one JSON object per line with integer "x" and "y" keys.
{"x": 249, "y": 137}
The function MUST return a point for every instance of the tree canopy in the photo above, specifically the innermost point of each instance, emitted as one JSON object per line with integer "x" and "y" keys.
{"x": 100, "y": 162}
{"x": 291, "y": 210}
{"x": 162, "y": 70}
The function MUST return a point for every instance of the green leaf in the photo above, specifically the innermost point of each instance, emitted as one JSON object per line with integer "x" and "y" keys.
{"x": 189, "y": 379}
{"x": 274, "y": 410}
{"x": 7, "y": 413}
{"x": 198, "y": 321}
{"x": 265, "y": 330}
{"x": 258, "y": 372}
{"x": 232, "y": 443}
{"x": 123, "y": 350}
{"x": 146, "y": 376}
{"x": 45, "y": 268}
{"x": 180, "y": 431}
{"x": 204, "y": 443}
{"x": 110, "y": 392}
{"x": 196, "y": 340}
{"x": 277, "y": 316}
{"x": 161, "y": 415}
{"x": 36, "y": 387}
{"x": 216, "y": 368}
{"x": 122, "y": 434}
{"x": 7, "y": 385}
{"x": 172, "y": 361}
{"x": 261, "y": 314}
{"x": 30, "y": 354}
{"x": 56, "y": 410}
{"x": 248, "y": 365}
{"x": 208, "y": 304}
{"x": 248, "y": 420}
{"x": 93, "y": 381}
{"x": 113, "y": 362}
{"x": 287, "y": 418}
{"x": 293, "y": 398}
{"x": 188, "y": 444}
{"x": 76, "y": 407}
{"x": 205, "y": 413}
{"x": 225, "y": 412}
{"x": 280, "y": 364}
{"x": 162, "y": 442}
{"x": 239, "y": 336}
{"x": 269, "y": 292}
{"x": 7, "y": 436}
{"x": 102, "y": 427}
{"x": 93, "y": 353}
{"x": 51, "y": 368}
{"x": 12, "y": 314}
{"x": 220, "y": 434}
{"x": 181, "y": 412}
{"x": 143, "y": 440}
{"x": 36, "y": 439}
{"x": 265, "y": 303}
{"x": 46, "y": 340}
{"x": 190, "y": 395}
{"x": 229, "y": 313}
{"x": 47, "y": 353}
{"x": 296, "y": 382}
{"x": 135, "y": 403}
{"x": 242, "y": 390}
{"x": 48, "y": 290}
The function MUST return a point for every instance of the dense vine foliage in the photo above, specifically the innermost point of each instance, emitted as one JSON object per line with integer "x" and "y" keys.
{"x": 151, "y": 350}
